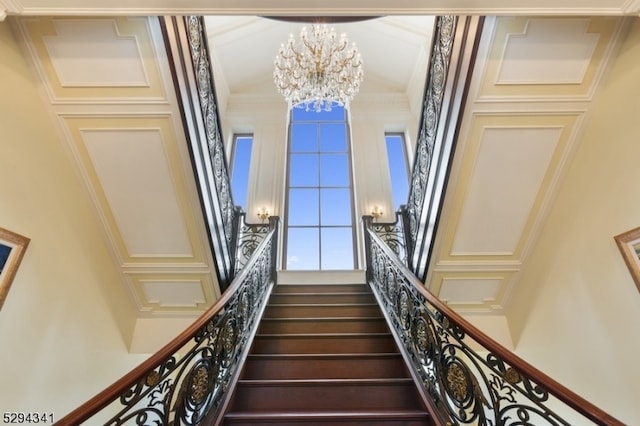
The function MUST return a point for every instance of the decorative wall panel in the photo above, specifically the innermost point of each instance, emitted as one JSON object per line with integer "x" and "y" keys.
{"x": 108, "y": 84}
{"x": 470, "y": 291}
{"x": 93, "y": 60}
{"x": 181, "y": 294}
{"x": 171, "y": 293}
{"x": 132, "y": 167}
{"x": 506, "y": 178}
{"x": 546, "y": 58}
{"x": 144, "y": 202}
{"x": 528, "y": 100}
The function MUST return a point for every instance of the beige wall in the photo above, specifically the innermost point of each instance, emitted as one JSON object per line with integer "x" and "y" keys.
{"x": 577, "y": 315}
{"x": 66, "y": 319}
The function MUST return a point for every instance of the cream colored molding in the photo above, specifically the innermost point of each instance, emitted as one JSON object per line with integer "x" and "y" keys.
{"x": 46, "y": 35}
{"x": 540, "y": 187}
{"x": 79, "y": 128}
{"x": 171, "y": 293}
{"x": 8, "y": 7}
{"x": 472, "y": 291}
{"x": 329, "y": 7}
{"x": 538, "y": 82}
{"x": 632, "y": 7}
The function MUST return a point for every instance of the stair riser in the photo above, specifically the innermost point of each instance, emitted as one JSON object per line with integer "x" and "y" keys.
{"x": 319, "y": 298}
{"x": 305, "y": 397}
{"x": 320, "y": 288}
{"x": 322, "y": 345}
{"x": 417, "y": 420}
{"x": 306, "y": 311}
{"x": 322, "y": 325}
{"x": 287, "y": 368}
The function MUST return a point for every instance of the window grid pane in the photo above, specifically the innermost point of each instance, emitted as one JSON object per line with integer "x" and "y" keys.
{"x": 320, "y": 213}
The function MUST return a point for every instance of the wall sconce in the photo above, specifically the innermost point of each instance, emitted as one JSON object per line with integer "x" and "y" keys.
{"x": 376, "y": 212}
{"x": 263, "y": 213}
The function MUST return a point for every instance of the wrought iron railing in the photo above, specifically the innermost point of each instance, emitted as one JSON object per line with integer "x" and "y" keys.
{"x": 452, "y": 56}
{"x": 464, "y": 386}
{"x": 393, "y": 235}
{"x": 186, "y": 43}
{"x": 250, "y": 235}
{"x": 187, "y": 381}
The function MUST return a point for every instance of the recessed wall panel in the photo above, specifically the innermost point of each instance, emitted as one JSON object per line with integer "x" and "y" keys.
{"x": 550, "y": 51}
{"x": 135, "y": 176}
{"x": 92, "y": 53}
{"x": 506, "y": 178}
{"x": 470, "y": 291}
{"x": 173, "y": 294}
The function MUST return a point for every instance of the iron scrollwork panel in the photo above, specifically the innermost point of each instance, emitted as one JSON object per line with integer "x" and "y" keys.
{"x": 184, "y": 390}
{"x": 249, "y": 238}
{"x": 393, "y": 235}
{"x": 466, "y": 387}
{"x": 226, "y": 213}
{"x": 432, "y": 104}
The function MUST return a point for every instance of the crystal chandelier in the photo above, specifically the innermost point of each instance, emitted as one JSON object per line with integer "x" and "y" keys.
{"x": 319, "y": 70}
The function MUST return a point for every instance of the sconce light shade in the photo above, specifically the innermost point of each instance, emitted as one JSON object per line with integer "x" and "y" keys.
{"x": 263, "y": 213}
{"x": 376, "y": 212}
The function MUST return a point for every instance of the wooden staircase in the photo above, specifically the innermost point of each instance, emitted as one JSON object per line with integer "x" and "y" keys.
{"x": 323, "y": 354}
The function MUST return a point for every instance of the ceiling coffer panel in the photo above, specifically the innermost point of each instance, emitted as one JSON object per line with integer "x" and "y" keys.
{"x": 508, "y": 174}
{"x": 135, "y": 179}
{"x": 546, "y": 58}
{"x": 93, "y": 60}
{"x": 473, "y": 290}
{"x": 162, "y": 293}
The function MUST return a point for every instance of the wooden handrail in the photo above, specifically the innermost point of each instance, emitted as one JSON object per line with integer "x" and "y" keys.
{"x": 561, "y": 392}
{"x": 109, "y": 394}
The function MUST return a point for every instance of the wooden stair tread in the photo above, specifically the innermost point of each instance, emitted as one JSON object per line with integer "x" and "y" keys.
{"x": 320, "y": 304}
{"x": 325, "y": 382}
{"x": 316, "y": 335}
{"x": 335, "y": 414}
{"x": 323, "y": 319}
{"x": 324, "y": 355}
{"x": 329, "y": 355}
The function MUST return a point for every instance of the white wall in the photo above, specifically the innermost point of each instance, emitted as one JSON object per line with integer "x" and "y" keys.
{"x": 66, "y": 319}
{"x": 577, "y": 315}
{"x": 265, "y": 115}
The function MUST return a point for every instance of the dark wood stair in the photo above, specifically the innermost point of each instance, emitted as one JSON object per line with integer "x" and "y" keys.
{"x": 324, "y": 355}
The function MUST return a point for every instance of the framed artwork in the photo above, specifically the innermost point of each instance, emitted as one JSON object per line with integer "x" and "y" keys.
{"x": 629, "y": 245}
{"x": 12, "y": 248}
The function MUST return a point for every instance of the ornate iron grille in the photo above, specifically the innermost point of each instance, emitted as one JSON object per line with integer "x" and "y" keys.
{"x": 183, "y": 390}
{"x": 186, "y": 384}
{"x": 432, "y": 104}
{"x": 249, "y": 238}
{"x": 208, "y": 103}
{"x": 393, "y": 234}
{"x": 466, "y": 387}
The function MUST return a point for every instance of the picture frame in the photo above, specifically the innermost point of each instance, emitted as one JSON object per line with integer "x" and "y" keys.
{"x": 629, "y": 245}
{"x": 12, "y": 249}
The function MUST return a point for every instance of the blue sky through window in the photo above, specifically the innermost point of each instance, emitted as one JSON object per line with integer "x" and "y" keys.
{"x": 240, "y": 164}
{"x": 398, "y": 168}
{"x": 319, "y": 206}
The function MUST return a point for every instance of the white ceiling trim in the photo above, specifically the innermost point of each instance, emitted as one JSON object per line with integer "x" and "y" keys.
{"x": 328, "y": 8}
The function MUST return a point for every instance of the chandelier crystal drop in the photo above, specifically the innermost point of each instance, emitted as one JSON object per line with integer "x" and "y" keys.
{"x": 319, "y": 70}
